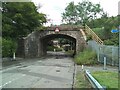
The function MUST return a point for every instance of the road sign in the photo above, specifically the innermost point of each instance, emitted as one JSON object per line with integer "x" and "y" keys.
{"x": 114, "y": 31}
{"x": 57, "y": 30}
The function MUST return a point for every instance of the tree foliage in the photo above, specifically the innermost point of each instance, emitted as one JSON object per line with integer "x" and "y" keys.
{"x": 70, "y": 15}
{"x": 18, "y": 20}
{"x": 8, "y": 48}
{"x": 82, "y": 12}
{"x": 105, "y": 25}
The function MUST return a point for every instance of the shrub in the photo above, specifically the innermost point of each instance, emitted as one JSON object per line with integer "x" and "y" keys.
{"x": 87, "y": 57}
{"x": 111, "y": 42}
{"x": 89, "y": 37}
{"x": 58, "y": 49}
{"x": 8, "y": 47}
{"x": 51, "y": 48}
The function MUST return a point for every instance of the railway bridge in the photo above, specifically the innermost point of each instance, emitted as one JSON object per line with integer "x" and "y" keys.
{"x": 35, "y": 44}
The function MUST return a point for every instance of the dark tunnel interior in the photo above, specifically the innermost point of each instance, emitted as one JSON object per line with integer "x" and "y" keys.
{"x": 46, "y": 39}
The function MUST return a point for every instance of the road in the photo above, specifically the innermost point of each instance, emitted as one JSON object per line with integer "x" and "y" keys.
{"x": 50, "y": 72}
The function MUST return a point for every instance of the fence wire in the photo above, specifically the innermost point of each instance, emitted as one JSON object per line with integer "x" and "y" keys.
{"x": 110, "y": 52}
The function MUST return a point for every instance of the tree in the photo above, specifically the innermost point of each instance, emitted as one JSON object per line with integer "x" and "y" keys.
{"x": 81, "y": 13}
{"x": 103, "y": 27}
{"x": 97, "y": 23}
{"x": 110, "y": 23}
{"x": 20, "y": 19}
{"x": 70, "y": 15}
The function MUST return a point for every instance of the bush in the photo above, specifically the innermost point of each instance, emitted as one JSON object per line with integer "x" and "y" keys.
{"x": 8, "y": 47}
{"x": 87, "y": 57}
{"x": 113, "y": 41}
{"x": 89, "y": 37}
{"x": 99, "y": 32}
{"x": 108, "y": 42}
{"x": 58, "y": 49}
{"x": 51, "y": 48}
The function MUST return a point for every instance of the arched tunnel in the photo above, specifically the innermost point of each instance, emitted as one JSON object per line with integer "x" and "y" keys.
{"x": 35, "y": 44}
{"x": 44, "y": 41}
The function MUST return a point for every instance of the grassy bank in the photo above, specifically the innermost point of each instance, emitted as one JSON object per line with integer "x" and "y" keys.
{"x": 81, "y": 81}
{"x": 87, "y": 57}
{"x": 108, "y": 79}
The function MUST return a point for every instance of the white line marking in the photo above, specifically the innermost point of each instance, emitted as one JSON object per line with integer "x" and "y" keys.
{"x": 11, "y": 81}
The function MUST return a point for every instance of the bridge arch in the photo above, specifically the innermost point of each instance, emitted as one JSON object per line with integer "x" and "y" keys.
{"x": 49, "y": 37}
{"x": 34, "y": 45}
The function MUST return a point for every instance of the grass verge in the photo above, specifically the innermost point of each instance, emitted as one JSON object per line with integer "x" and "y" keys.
{"x": 81, "y": 81}
{"x": 87, "y": 57}
{"x": 108, "y": 79}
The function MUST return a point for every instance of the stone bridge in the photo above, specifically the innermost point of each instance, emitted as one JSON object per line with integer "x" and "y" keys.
{"x": 35, "y": 44}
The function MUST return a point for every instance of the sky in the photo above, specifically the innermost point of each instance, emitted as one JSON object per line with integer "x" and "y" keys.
{"x": 54, "y": 8}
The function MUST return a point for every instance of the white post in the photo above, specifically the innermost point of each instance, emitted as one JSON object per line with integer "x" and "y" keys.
{"x": 98, "y": 53}
{"x": 104, "y": 63}
{"x": 112, "y": 57}
{"x": 82, "y": 67}
{"x": 54, "y": 50}
{"x": 14, "y": 56}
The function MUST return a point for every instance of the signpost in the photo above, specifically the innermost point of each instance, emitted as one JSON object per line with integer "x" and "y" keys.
{"x": 116, "y": 31}
{"x": 119, "y": 50}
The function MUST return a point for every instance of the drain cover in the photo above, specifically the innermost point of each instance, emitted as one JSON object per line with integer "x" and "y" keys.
{"x": 57, "y": 70}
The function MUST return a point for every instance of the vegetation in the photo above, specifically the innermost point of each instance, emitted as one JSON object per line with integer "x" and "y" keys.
{"x": 99, "y": 32}
{"x": 86, "y": 12}
{"x": 81, "y": 81}
{"x": 51, "y": 48}
{"x": 103, "y": 26}
{"x": 108, "y": 79}
{"x": 89, "y": 37}
{"x": 87, "y": 57}
{"x": 69, "y": 52}
{"x": 82, "y": 12}
{"x": 9, "y": 46}
{"x": 18, "y": 20}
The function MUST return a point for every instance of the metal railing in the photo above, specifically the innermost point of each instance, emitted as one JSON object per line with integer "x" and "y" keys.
{"x": 94, "y": 36}
{"x": 93, "y": 81}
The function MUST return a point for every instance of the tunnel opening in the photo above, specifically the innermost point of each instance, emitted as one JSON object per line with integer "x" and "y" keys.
{"x": 58, "y": 45}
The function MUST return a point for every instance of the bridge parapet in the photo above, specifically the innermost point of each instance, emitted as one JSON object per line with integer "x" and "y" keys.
{"x": 66, "y": 27}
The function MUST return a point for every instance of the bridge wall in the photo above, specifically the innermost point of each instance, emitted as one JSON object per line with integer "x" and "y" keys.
{"x": 34, "y": 45}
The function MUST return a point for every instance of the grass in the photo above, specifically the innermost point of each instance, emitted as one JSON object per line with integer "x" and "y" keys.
{"x": 87, "y": 57}
{"x": 108, "y": 79}
{"x": 81, "y": 81}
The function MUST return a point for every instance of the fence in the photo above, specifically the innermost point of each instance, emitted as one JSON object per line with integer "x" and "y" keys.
{"x": 110, "y": 52}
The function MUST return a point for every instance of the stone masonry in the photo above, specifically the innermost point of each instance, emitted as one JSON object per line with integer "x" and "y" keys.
{"x": 34, "y": 45}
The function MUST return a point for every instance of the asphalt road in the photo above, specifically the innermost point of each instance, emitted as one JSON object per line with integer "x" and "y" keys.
{"x": 52, "y": 72}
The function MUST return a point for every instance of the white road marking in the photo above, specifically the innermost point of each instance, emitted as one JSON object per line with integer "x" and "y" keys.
{"x": 11, "y": 81}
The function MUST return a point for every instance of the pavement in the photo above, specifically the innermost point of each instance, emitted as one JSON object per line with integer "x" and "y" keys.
{"x": 49, "y": 72}
{"x": 99, "y": 67}
{"x": 53, "y": 71}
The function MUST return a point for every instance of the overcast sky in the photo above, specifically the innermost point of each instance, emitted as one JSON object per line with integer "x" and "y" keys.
{"x": 54, "y": 8}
